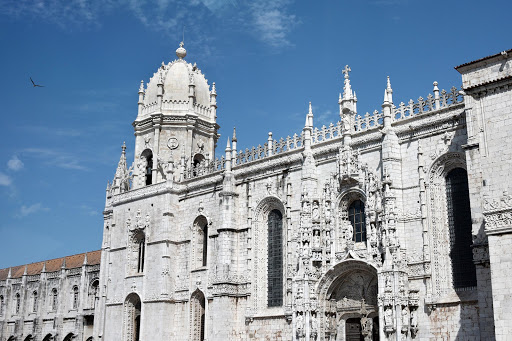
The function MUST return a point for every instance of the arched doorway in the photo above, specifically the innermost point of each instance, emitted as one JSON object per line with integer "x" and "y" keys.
{"x": 197, "y": 316}
{"x": 348, "y": 297}
{"x": 132, "y": 313}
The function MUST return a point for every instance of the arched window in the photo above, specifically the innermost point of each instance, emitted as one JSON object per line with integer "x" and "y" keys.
{"x": 142, "y": 249}
{"x": 34, "y": 302}
{"x": 459, "y": 223}
{"x": 1, "y": 305}
{"x": 54, "y": 298}
{"x": 48, "y": 337}
{"x": 358, "y": 220}
{"x": 197, "y": 316}
{"x": 93, "y": 293}
{"x": 75, "y": 297}
{"x": 17, "y": 304}
{"x": 148, "y": 154}
{"x": 132, "y": 311}
{"x": 275, "y": 259}
{"x": 201, "y": 234}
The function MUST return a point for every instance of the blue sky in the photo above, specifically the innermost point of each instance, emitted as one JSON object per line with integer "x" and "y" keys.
{"x": 60, "y": 144}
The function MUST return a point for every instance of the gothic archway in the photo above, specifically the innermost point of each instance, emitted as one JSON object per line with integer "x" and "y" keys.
{"x": 197, "y": 316}
{"x": 132, "y": 317}
{"x": 347, "y": 297}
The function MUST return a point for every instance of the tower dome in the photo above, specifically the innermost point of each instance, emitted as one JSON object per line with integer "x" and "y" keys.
{"x": 184, "y": 89}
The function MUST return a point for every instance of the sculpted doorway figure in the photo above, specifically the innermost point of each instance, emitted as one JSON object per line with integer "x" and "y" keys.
{"x": 348, "y": 297}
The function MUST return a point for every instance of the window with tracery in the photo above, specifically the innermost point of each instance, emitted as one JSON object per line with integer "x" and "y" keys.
{"x": 201, "y": 235}
{"x": 275, "y": 259}
{"x": 459, "y": 223}
{"x": 142, "y": 250}
{"x": 17, "y": 304}
{"x": 54, "y": 298}
{"x": 34, "y": 302}
{"x": 94, "y": 293}
{"x": 75, "y": 297}
{"x": 357, "y": 218}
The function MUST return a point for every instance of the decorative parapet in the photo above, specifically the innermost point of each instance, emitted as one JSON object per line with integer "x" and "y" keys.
{"x": 93, "y": 268}
{"x": 498, "y": 214}
{"x": 205, "y": 168}
{"x": 138, "y": 193}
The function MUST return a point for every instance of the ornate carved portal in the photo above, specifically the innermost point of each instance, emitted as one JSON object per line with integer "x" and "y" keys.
{"x": 348, "y": 302}
{"x": 132, "y": 309}
{"x": 197, "y": 316}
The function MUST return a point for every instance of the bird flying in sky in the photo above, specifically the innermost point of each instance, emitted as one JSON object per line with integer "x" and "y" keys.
{"x": 36, "y": 85}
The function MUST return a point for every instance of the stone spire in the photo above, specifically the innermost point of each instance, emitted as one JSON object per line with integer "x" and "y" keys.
{"x": 141, "y": 98}
{"x": 119, "y": 184}
{"x": 387, "y": 105}
{"x": 233, "y": 154}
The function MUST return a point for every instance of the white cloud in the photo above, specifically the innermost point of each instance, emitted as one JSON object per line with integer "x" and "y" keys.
{"x": 5, "y": 180}
{"x": 56, "y": 158}
{"x": 269, "y": 20}
{"x": 26, "y": 210}
{"x": 88, "y": 210}
{"x": 15, "y": 164}
{"x": 273, "y": 21}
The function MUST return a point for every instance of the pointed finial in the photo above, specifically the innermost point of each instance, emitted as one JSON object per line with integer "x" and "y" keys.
{"x": 346, "y": 70}
{"x": 339, "y": 99}
{"x": 141, "y": 88}
{"x": 389, "y": 91}
{"x": 85, "y": 259}
{"x": 234, "y": 135}
{"x": 310, "y": 109}
{"x": 228, "y": 145}
{"x": 347, "y": 89}
{"x": 25, "y": 272}
{"x": 435, "y": 86}
{"x": 214, "y": 90}
{"x": 181, "y": 52}
{"x": 123, "y": 147}
{"x": 385, "y": 96}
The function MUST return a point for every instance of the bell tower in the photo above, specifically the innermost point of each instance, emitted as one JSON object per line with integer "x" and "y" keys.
{"x": 176, "y": 121}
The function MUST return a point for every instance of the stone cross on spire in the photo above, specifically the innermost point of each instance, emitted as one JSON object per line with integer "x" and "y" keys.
{"x": 346, "y": 70}
{"x": 347, "y": 89}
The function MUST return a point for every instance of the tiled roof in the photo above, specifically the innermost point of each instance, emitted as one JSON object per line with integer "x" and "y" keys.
{"x": 71, "y": 262}
{"x": 484, "y": 58}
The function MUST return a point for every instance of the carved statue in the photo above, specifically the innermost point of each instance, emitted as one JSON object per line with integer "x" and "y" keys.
{"x": 388, "y": 316}
{"x": 314, "y": 325}
{"x": 367, "y": 328}
{"x": 414, "y": 319}
{"x": 327, "y": 211}
{"x": 316, "y": 238}
{"x": 405, "y": 316}
{"x": 388, "y": 283}
{"x": 316, "y": 211}
{"x": 300, "y": 325}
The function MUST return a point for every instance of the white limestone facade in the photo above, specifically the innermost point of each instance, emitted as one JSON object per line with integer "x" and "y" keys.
{"x": 394, "y": 225}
